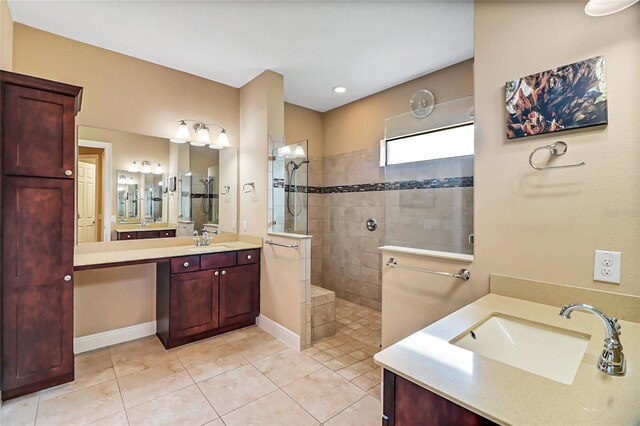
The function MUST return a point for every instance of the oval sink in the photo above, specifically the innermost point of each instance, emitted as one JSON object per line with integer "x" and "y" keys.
{"x": 551, "y": 352}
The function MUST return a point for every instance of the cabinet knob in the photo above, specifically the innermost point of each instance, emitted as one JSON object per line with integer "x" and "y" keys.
{"x": 185, "y": 264}
{"x": 248, "y": 257}
{"x": 67, "y": 277}
{"x": 68, "y": 172}
{"x": 216, "y": 273}
{"x": 224, "y": 272}
{"x": 128, "y": 236}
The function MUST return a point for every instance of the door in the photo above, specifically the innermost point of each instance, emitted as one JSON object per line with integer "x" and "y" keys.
{"x": 36, "y": 127}
{"x": 194, "y": 303}
{"x": 37, "y": 275}
{"x": 87, "y": 230}
{"x": 239, "y": 294}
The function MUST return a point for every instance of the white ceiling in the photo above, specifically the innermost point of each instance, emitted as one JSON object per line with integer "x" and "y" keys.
{"x": 365, "y": 46}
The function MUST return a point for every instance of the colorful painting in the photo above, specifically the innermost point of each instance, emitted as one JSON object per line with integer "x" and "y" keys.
{"x": 567, "y": 97}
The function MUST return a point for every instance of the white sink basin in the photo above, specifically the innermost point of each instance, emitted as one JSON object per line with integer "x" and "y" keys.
{"x": 547, "y": 351}
{"x": 209, "y": 248}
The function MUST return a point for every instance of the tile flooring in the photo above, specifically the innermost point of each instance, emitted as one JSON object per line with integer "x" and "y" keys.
{"x": 245, "y": 377}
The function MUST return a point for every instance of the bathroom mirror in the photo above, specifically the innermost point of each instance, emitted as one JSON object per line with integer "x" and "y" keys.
{"x": 125, "y": 177}
{"x": 207, "y": 188}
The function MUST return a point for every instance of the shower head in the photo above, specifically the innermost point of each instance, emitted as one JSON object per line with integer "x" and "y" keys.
{"x": 296, "y": 166}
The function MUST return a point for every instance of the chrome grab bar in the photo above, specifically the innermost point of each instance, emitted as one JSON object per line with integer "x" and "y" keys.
{"x": 463, "y": 274}
{"x": 270, "y": 241}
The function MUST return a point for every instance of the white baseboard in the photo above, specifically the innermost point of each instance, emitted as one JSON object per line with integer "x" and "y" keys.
{"x": 281, "y": 333}
{"x": 113, "y": 337}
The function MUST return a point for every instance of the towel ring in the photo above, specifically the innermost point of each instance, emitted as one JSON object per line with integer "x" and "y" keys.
{"x": 558, "y": 148}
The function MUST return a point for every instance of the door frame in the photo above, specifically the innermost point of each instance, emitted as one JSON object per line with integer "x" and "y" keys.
{"x": 106, "y": 183}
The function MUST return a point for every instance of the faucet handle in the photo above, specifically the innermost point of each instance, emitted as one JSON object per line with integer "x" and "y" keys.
{"x": 616, "y": 326}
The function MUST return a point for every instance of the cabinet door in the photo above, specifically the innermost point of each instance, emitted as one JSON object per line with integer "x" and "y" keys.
{"x": 37, "y": 288}
{"x": 194, "y": 303}
{"x": 239, "y": 294}
{"x": 38, "y": 132}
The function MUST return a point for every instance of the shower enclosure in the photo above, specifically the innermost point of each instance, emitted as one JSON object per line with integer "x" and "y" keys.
{"x": 289, "y": 177}
{"x": 199, "y": 197}
{"x": 429, "y": 178}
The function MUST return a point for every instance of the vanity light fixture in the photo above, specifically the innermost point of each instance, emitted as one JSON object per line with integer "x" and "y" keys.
{"x": 158, "y": 170}
{"x": 134, "y": 168}
{"x": 202, "y": 136}
{"x": 284, "y": 151}
{"x": 299, "y": 152}
{"x": 607, "y": 7}
{"x": 339, "y": 89}
{"x": 146, "y": 167}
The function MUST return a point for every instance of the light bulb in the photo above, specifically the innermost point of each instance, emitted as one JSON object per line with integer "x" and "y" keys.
{"x": 299, "y": 152}
{"x": 134, "y": 168}
{"x": 158, "y": 170}
{"x": 223, "y": 139}
{"x": 203, "y": 135}
{"x": 146, "y": 167}
{"x": 284, "y": 151}
{"x": 339, "y": 89}
{"x": 182, "y": 134}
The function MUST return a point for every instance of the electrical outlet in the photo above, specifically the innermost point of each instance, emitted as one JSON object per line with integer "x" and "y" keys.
{"x": 244, "y": 225}
{"x": 607, "y": 266}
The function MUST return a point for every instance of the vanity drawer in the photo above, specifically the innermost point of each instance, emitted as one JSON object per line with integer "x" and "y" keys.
{"x": 218, "y": 260}
{"x": 168, "y": 233}
{"x": 185, "y": 264}
{"x": 148, "y": 234}
{"x": 246, "y": 257}
{"x": 127, "y": 235}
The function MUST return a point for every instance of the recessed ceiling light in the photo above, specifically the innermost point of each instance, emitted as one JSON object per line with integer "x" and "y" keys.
{"x": 607, "y": 7}
{"x": 339, "y": 89}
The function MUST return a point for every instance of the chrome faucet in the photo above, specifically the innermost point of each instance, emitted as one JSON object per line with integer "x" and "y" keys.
{"x": 143, "y": 223}
{"x": 202, "y": 240}
{"x": 611, "y": 360}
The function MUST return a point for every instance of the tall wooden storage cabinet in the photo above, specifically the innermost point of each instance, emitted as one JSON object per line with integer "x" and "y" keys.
{"x": 37, "y": 224}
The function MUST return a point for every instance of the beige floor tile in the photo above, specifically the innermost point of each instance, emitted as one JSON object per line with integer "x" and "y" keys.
{"x": 347, "y": 360}
{"x": 91, "y": 368}
{"x": 321, "y": 357}
{"x": 183, "y": 407}
{"x": 334, "y": 365}
{"x": 362, "y": 367}
{"x": 82, "y": 406}
{"x": 359, "y": 355}
{"x": 118, "y": 419}
{"x": 323, "y": 393}
{"x": 243, "y": 333}
{"x": 348, "y": 373}
{"x": 216, "y": 422}
{"x": 235, "y": 388}
{"x": 376, "y": 391}
{"x": 152, "y": 383}
{"x": 274, "y": 409}
{"x": 334, "y": 352}
{"x": 212, "y": 362}
{"x": 346, "y": 348}
{"x": 199, "y": 346}
{"x": 20, "y": 411}
{"x": 371, "y": 350}
{"x": 256, "y": 347}
{"x": 323, "y": 346}
{"x": 287, "y": 366}
{"x": 366, "y": 381}
{"x": 366, "y": 412}
{"x": 139, "y": 354}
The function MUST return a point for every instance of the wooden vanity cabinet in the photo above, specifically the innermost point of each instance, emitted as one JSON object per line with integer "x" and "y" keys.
{"x": 144, "y": 234}
{"x": 37, "y": 213}
{"x": 407, "y": 404}
{"x": 199, "y": 296}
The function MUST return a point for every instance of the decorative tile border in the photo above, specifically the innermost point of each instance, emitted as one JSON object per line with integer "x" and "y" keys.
{"x": 195, "y": 195}
{"x": 437, "y": 183}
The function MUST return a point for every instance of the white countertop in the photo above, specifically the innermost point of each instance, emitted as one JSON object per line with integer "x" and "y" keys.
{"x": 130, "y": 251}
{"x": 508, "y": 395}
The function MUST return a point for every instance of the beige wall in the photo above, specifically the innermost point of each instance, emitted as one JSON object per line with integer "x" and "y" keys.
{"x": 124, "y": 93}
{"x": 262, "y": 117}
{"x": 6, "y": 37}
{"x": 360, "y": 124}
{"x": 304, "y": 124}
{"x": 542, "y": 226}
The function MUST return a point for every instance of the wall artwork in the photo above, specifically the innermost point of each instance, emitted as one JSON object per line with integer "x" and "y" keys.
{"x": 568, "y": 97}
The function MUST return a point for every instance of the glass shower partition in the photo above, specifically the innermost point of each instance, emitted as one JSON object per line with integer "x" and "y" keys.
{"x": 288, "y": 177}
{"x": 429, "y": 178}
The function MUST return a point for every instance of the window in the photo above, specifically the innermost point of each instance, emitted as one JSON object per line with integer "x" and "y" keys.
{"x": 443, "y": 143}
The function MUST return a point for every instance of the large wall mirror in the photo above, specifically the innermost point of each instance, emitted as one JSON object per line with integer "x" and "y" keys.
{"x": 131, "y": 183}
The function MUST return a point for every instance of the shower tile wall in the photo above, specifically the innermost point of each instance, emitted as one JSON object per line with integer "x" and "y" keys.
{"x": 349, "y": 262}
